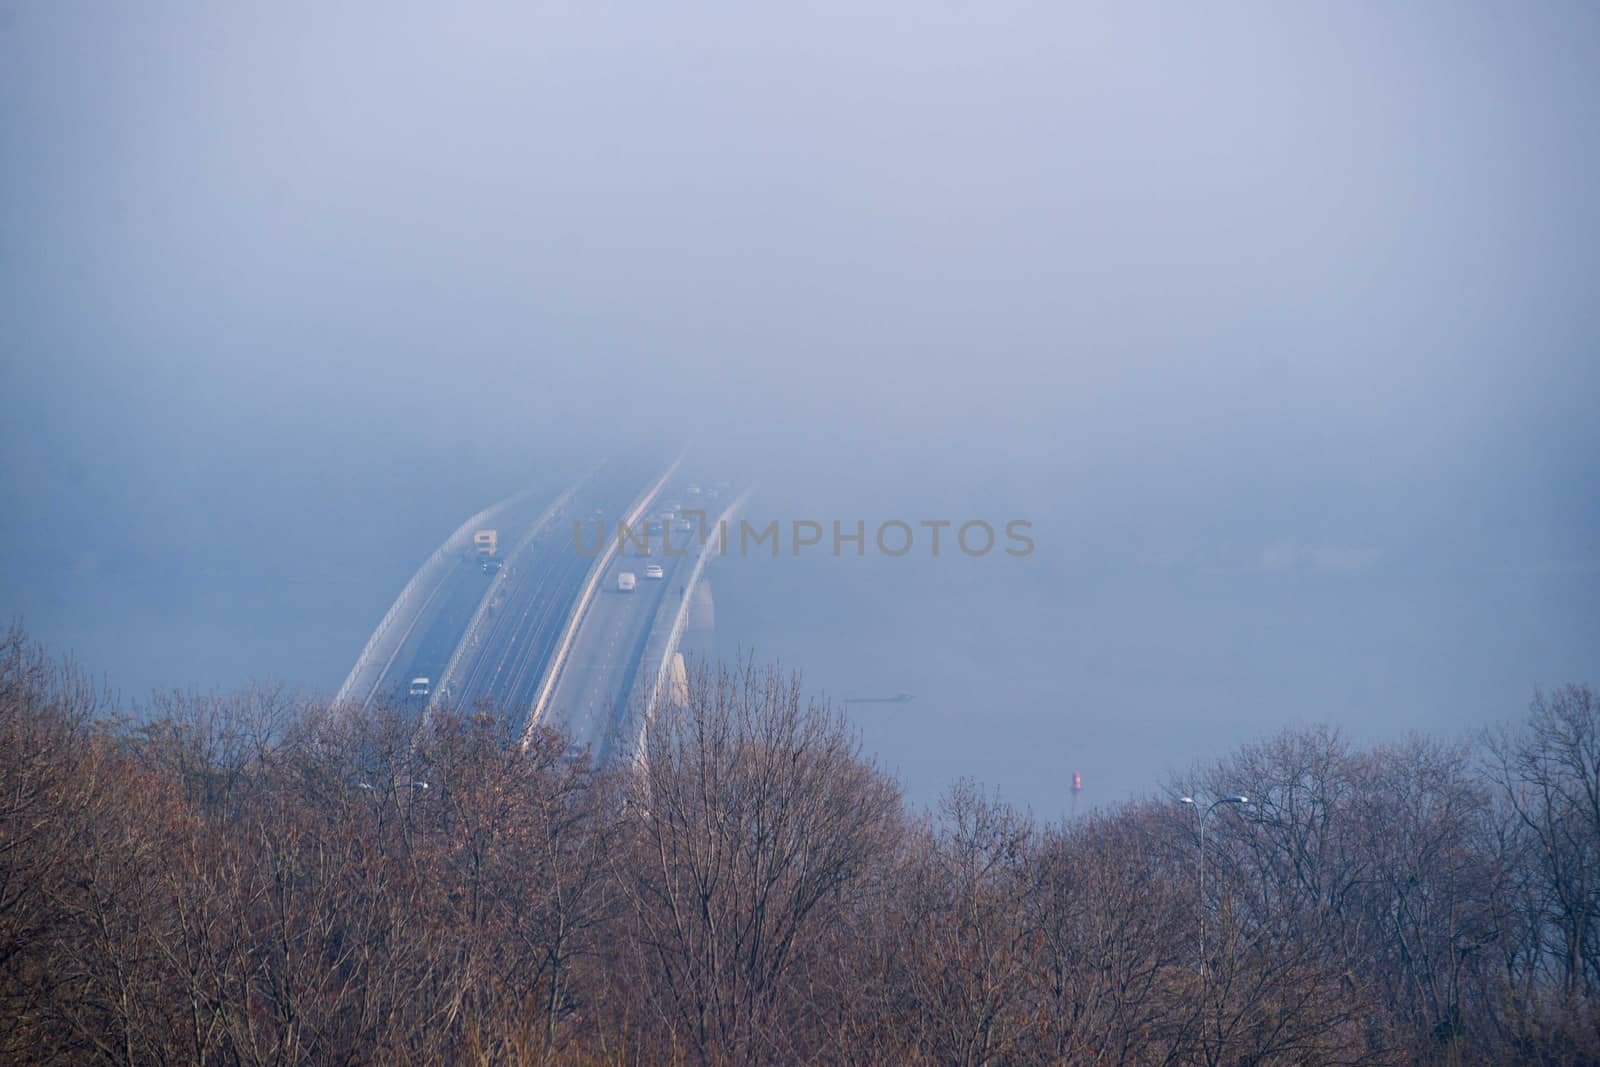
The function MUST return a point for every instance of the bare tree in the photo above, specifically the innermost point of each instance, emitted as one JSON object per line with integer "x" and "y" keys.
{"x": 1548, "y": 776}
{"x": 1114, "y": 915}
{"x": 967, "y": 965}
{"x": 258, "y": 880}
{"x": 753, "y": 815}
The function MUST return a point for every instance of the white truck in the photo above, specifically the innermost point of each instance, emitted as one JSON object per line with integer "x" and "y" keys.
{"x": 626, "y": 582}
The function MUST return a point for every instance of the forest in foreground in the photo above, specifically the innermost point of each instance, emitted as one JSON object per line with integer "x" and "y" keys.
{"x": 259, "y": 879}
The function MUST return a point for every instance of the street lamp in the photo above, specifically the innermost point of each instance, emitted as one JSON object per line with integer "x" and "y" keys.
{"x": 1204, "y": 813}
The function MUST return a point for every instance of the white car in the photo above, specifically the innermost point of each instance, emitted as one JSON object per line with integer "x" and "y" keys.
{"x": 420, "y": 687}
{"x": 626, "y": 581}
{"x": 653, "y": 571}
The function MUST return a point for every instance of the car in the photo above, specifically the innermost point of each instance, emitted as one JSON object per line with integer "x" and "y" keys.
{"x": 491, "y": 566}
{"x": 420, "y": 687}
{"x": 626, "y": 581}
{"x": 654, "y": 571}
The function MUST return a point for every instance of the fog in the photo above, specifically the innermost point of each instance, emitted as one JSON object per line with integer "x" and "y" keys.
{"x": 1277, "y": 325}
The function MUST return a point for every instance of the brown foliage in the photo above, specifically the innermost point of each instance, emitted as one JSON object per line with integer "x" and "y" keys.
{"x": 258, "y": 880}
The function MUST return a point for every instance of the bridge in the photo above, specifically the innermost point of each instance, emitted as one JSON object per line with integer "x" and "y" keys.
{"x": 523, "y": 609}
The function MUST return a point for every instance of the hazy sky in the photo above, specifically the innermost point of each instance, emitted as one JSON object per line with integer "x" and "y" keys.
{"x": 1279, "y": 323}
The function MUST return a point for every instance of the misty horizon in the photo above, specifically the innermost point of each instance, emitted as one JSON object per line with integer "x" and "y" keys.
{"x": 1275, "y": 326}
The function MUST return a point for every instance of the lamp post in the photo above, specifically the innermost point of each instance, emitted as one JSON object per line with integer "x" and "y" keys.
{"x": 1205, "y": 813}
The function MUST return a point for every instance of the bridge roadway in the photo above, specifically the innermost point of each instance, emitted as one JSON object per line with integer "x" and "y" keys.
{"x": 419, "y": 635}
{"x": 594, "y": 697}
{"x": 522, "y": 625}
{"x": 497, "y": 657}
{"x": 490, "y": 640}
